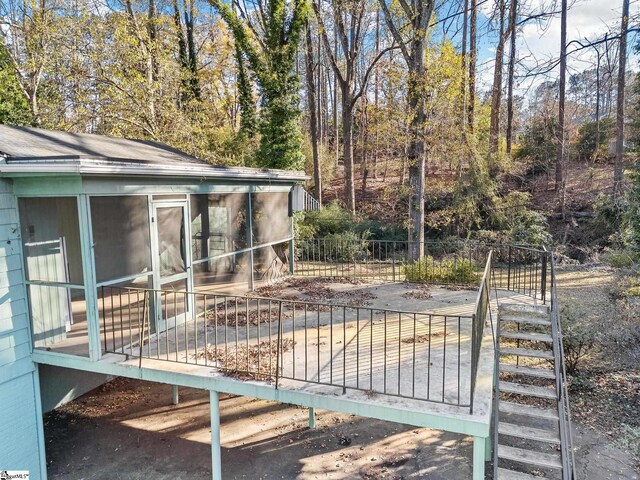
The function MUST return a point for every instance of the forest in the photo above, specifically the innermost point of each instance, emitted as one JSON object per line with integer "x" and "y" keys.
{"x": 413, "y": 118}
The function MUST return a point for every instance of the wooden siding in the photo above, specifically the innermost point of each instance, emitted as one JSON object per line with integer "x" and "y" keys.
{"x": 21, "y": 431}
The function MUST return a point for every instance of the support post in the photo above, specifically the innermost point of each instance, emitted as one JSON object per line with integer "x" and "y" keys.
{"x": 479, "y": 455}
{"x": 250, "y": 233}
{"x": 175, "y": 395}
{"x": 487, "y": 449}
{"x": 292, "y": 263}
{"x": 216, "y": 456}
{"x": 88, "y": 271}
{"x": 312, "y": 418}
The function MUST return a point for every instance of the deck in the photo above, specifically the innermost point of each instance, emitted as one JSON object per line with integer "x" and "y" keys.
{"x": 406, "y": 346}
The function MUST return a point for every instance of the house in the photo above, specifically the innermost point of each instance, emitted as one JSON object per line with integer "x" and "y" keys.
{"x": 83, "y": 216}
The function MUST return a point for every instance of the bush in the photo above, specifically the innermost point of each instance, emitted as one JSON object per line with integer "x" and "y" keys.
{"x": 579, "y": 334}
{"x": 621, "y": 258}
{"x": 586, "y": 142}
{"x": 632, "y": 214}
{"x": 350, "y": 247}
{"x": 456, "y": 271}
{"x": 331, "y": 219}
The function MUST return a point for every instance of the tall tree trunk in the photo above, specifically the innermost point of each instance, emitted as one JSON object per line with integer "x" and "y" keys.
{"x": 473, "y": 50}
{"x": 598, "y": 58}
{"x": 313, "y": 118}
{"x": 618, "y": 169}
{"x": 347, "y": 149}
{"x": 561, "y": 101}
{"x": 463, "y": 60}
{"x": 376, "y": 100}
{"x": 248, "y": 114}
{"x": 335, "y": 102}
{"x": 194, "y": 83}
{"x": 512, "y": 63}
{"x": 496, "y": 91}
{"x": 416, "y": 154}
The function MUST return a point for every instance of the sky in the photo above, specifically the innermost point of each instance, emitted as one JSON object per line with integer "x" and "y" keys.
{"x": 540, "y": 41}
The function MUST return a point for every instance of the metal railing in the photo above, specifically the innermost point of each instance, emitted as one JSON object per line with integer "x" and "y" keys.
{"x": 566, "y": 437}
{"x": 416, "y": 355}
{"x": 520, "y": 269}
{"x": 481, "y": 310}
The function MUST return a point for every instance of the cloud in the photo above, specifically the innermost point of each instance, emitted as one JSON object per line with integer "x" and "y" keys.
{"x": 586, "y": 19}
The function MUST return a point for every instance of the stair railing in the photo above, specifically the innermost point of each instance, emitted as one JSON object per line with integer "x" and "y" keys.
{"x": 566, "y": 439}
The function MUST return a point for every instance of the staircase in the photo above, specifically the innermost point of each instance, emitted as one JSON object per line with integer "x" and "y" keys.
{"x": 529, "y": 407}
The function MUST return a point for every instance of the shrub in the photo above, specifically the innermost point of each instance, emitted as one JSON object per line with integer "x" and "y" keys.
{"x": 621, "y": 258}
{"x": 456, "y": 271}
{"x": 331, "y": 219}
{"x": 579, "y": 334}
{"x": 345, "y": 247}
{"x": 586, "y": 142}
{"x": 632, "y": 214}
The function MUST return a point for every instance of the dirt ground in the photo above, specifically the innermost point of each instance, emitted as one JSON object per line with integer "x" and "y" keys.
{"x": 129, "y": 429}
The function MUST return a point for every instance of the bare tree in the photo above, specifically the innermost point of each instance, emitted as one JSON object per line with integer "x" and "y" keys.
{"x": 622, "y": 63}
{"x": 496, "y": 91}
{"x": 473, "y": 50}
{"x": 412, "y": 39}
{"x": 350, "y": 28}
{"x": 313, "y": 115}
{"x": 561, "y": 101}
{"x": 511, "y": 73}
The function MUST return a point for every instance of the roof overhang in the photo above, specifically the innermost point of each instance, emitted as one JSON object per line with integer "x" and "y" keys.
{"x": 87, "y": 166}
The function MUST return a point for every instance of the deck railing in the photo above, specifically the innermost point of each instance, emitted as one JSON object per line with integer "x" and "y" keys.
{"x": 415, "y": 355}
{"x": 418, "y": 355}
{"x": 516, "y": 268}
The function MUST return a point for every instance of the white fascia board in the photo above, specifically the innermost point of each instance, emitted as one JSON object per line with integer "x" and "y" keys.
{"x": 93, "y": 167}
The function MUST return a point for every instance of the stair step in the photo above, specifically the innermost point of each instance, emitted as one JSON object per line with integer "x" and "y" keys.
{"x": 505, "y": 474}
{"x": 527, "y": 410}
{"x": 527, "y": 390}
{"x": 527, "y": 352}
{"x": 544, "y": 460}
{"x": 524, "y": 319}
{"x": 524, "y": 308}
{"x": 529, "y": 336}
{"x": 528, "y": 433}
{"x": 529, "y": 371}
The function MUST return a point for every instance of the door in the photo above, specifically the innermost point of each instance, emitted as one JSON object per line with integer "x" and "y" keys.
{"x": 171, "y": 262}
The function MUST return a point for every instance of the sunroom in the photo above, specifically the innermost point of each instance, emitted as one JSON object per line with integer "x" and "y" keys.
{"x": 99, "y": 214}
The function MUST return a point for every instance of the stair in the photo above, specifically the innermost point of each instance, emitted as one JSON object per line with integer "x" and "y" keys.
{"x": 527, "y": 352}
{"x": 527, "y": 410}
{"x": 528, "y": 336}
{"x": 538, "y": 372}
{"x": 525, "y": 319}
{"x": 521, "y": 438}
{"x": 529, "y": 433}
{"x": 527, "y": 390}
{"x": 529, "y": 457}
{"x": 504, "y": 474}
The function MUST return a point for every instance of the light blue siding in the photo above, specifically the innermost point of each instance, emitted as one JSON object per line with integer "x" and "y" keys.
{"x": 20, "y": 424}
{"x": 21, "y": 430}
